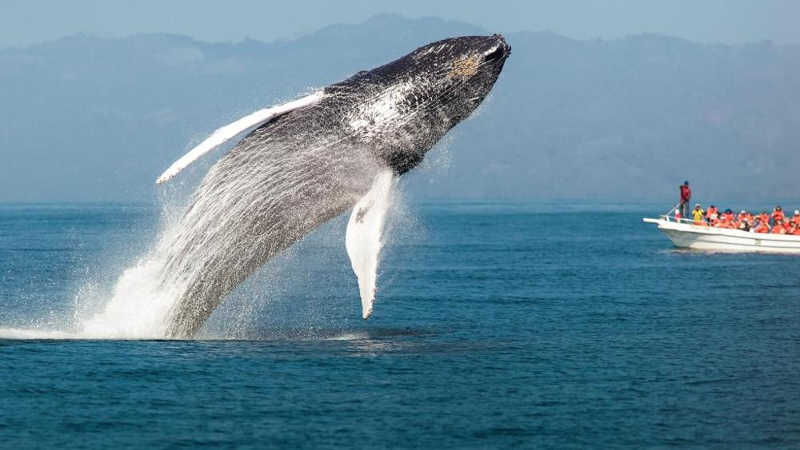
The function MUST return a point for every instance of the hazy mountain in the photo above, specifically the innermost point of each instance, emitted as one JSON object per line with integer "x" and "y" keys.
{"x": 86, "y": 118}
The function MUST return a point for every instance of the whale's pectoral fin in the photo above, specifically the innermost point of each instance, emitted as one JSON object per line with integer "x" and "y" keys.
{"x": 364, "y": 237}
{"x": 223, "y": 134}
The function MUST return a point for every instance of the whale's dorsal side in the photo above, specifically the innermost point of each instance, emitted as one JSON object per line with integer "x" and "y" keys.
{"x": 227, "y": 132}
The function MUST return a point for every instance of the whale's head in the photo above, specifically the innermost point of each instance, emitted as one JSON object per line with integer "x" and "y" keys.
{"x": 401, "y": 109}
{"x": 458, "y": 70}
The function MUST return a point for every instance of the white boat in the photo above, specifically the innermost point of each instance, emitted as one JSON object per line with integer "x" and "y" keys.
{"x": 685, "y": 234}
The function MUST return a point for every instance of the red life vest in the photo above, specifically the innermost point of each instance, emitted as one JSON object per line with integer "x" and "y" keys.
{"x": 686, "y": 193}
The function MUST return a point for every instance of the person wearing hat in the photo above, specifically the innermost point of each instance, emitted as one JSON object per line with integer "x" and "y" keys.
{"x": 698, "y": 215}
{"x": 796, "y": 217}
{"x": 686, "y": 195}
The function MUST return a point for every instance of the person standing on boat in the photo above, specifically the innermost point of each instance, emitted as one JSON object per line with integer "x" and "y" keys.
{"x": 686, "y": 195}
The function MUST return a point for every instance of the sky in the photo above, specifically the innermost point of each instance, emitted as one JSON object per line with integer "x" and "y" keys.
{"x": 25, "y": 22}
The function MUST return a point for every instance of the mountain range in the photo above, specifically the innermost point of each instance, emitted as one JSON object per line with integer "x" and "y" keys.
{"x": 87, "y": 118}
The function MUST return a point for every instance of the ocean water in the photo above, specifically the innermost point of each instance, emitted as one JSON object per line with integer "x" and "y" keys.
{"x": 511, "y": 325}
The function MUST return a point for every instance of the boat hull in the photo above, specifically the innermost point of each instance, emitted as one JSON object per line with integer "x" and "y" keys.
{"x": 685, "y": 235}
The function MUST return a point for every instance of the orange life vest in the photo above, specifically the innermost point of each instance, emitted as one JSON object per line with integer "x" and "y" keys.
{"x": 777, "y": 215}
{"x": 724, "y": 223}
{"x": 762, "y": 228}
{"x": 778, "y": 229}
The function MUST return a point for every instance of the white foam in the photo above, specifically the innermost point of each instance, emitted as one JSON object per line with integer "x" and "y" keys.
{"x": 35, "y": 333}
{"x": 138, "y": 307}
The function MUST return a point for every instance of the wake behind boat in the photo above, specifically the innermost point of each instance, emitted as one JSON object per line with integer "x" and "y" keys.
{"x": 684, "y": 233}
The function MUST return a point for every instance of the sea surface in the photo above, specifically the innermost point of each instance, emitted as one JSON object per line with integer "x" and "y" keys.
{"x": 495, "y": 326}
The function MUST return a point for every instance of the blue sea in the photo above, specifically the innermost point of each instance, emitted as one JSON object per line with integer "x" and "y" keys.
{"x": 495, "y": 326}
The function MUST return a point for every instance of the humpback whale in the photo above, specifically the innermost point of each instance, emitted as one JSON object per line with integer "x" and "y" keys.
{"x": 309, "y": 160}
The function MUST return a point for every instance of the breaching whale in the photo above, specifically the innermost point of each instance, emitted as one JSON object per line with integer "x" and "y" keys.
{"x": 307, "y": 161}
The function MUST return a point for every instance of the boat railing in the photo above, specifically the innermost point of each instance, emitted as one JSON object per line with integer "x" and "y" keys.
{"x": 669, "y": 218}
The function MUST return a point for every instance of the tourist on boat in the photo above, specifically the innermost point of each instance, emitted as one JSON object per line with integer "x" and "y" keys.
{"x": 763, "y": 217}
{"x": 729, "y": 220}
{"x": 712, "y": 213}
{"x": 699, "y": 215}
{"x": 778, "y": 228}
{"x": 742, "y": 215}
{"x": 762, "y": 226}
{"x": 686, "y": 195}
{"x": 726, "y": 220}
{"x": 777, "y": 214}
{"x": 796, "y": 217}
{"x": 789, "y": 226}
{"x": 744, "y": 224}
{"x": 728, "y": 215}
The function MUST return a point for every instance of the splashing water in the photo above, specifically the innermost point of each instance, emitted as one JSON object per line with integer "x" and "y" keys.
{"x": 364, "y": 238}
{"x": 139, "y": 302}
